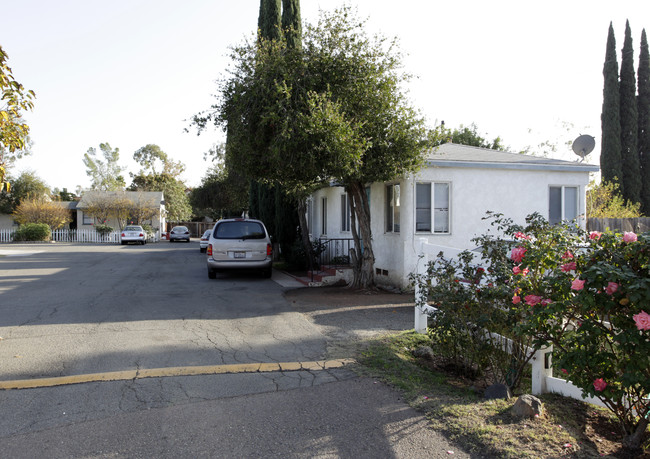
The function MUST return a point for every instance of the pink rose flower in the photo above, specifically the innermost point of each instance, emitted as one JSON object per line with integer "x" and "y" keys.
{"x": 611, "y": 288}
{"x": 642, "y": 320}
{"x": 516, "y": 299}
{"x": 577, "y": 284}
{"x": 595, "y": 235}
{"x": 532, "y": 300}
{"x": 564, "y": 371}
{"x": 571, "y": 266}
{"x": 520, "y": 235}
{"x": 546, "y": 301}
{"x": 600, "y": 385}
{"x": 518, "y": 254}
{"x": 629, "y": 237}
{"x": 566, "y": 255}
{"x": 516, "y": 270}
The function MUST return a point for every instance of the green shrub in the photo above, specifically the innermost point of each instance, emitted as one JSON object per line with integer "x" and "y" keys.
{"x": 150, "y": 230}
{"x": 104, "y": 229}
{"x": 587, "y": 295}
{"x": 33, "y": 232}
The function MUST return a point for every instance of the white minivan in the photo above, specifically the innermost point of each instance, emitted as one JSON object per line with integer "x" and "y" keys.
{"x": 239, "y": 243}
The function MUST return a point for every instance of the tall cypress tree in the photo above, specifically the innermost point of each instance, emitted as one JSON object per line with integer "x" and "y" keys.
{"x": 629, "y": 123}
{"x": 610, "y": 152}
{"x": 269, "y": 28}
{"x": 291, "y": 23}
{"x": 269, "y": 20}
{"x": 643, "y": 107}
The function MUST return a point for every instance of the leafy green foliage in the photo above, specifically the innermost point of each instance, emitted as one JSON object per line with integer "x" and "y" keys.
{"x": 177, "y": 202}
{"x": 105, "y": 174}
{"x": 104, "y": 230}
{"x": 26, "y": 186}
{"x": 33, "y": 232}
{"x": 604, "y": 201}
{"x": 220, "y": 195}
{"x": 585, "y": 295}
{"x": 13, "y": 129}
{"x": 469, "y": 135}
{"x": 333, "y": 109}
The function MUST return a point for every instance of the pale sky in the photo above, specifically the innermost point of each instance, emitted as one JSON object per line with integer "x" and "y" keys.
{"x": 131, "y": 72}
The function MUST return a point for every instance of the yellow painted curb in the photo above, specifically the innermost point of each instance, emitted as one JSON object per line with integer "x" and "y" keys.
{"x": 174, "y": 371}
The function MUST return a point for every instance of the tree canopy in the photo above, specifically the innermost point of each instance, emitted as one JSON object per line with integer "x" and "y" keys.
{"x": 333, "y": 109}
{"x": 106, "y": 173}
{"x": 14, "y": 130}
{"x": 24, "y": 187}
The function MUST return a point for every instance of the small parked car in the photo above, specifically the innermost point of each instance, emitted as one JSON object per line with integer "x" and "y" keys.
{"x": 239, "y": 244}
{"x": 133, "y": 233}
{"x": 205, "y": 239}
{"x": 179, "y": 233}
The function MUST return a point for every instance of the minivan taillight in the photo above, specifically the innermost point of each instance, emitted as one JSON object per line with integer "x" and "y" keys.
{"x": 269, "y": 250}
{"x": 209, "y": 250}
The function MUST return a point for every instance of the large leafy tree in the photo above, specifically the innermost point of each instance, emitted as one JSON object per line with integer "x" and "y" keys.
{"x": 106, "y": 173}
{"x": 643, "y": 81}
{"x": 13, "y": 129}
{"x": 610, "y": 153}
{"x": 159, "y": 173}
{"x": 331, "y": 110}
{"x": 631, "y": 178}
{"x": 27, "y": 186}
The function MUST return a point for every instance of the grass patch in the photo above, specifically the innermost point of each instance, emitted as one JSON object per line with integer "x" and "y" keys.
{"x": 455, "y": 406}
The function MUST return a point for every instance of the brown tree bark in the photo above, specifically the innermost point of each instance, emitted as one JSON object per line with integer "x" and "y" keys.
{"x": 364, "y": 275}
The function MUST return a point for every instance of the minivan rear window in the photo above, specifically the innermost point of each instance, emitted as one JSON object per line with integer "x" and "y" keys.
{"x": 239, "y": 230}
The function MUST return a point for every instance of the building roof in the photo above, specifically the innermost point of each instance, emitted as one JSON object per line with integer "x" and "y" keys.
{"x": 455, "y": 155}
{"x": 154, "y": 197}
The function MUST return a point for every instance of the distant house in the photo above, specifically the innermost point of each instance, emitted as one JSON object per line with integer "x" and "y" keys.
{"x": 446, "y": 200}
{"x": 147, "y": 204}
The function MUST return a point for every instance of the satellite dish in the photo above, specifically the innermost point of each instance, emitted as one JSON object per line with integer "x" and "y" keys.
{"x": 584, "y": 145}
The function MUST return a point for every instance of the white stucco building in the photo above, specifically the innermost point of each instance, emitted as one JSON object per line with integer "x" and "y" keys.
{"x": 446, "y": 200}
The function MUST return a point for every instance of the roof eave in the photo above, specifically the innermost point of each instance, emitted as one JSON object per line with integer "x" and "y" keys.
{"x": 513, "y": 166}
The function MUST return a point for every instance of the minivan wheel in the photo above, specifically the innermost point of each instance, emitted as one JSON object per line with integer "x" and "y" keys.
{"x": 212, "y": 274}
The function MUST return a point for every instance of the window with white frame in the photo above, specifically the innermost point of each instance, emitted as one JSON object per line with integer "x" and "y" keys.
{"x": 432, "y": 207}
{"x": 323, "y": 220}
{"x": 87, "y": 219}
{"x": 562, "y": 204}
{"x": 345, "y": 212}
{"x": 392, "y": 208}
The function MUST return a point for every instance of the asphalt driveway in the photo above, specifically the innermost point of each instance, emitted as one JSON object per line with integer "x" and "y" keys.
{"x": 69, "y": 310}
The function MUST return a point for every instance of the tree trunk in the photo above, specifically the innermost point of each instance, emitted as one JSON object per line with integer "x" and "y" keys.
{"x": 635, "y": 440}
{"x": 364, "y": 275}
{"x": 304, "y": 233}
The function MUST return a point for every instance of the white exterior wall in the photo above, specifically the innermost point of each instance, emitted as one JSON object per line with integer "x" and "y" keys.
{"x": 473, "y": 191}
{"x": 514, "y": 193}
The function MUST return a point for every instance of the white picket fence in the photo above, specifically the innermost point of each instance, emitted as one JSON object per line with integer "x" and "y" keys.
{"x": 80, "y": 235}
{"x": 543, "y": 380}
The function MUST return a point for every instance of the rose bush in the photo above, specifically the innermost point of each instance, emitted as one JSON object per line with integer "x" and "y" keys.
{"x": 583, "y": 293}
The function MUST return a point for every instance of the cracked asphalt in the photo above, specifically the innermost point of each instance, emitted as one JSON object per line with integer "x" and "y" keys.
{"x": 68, "y": 310}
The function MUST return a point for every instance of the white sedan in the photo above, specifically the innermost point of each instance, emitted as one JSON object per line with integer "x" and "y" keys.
{"x": 133, "y": 233}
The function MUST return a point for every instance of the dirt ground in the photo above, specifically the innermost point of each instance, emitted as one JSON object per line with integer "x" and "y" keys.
{"x": 346, "y": 316}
